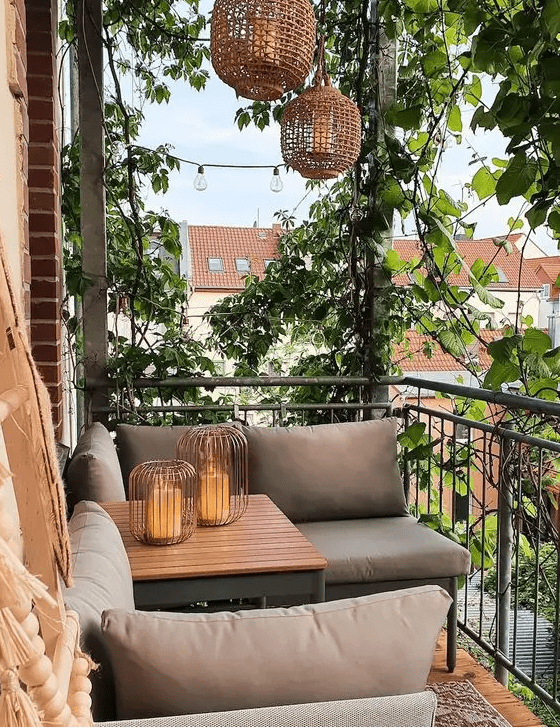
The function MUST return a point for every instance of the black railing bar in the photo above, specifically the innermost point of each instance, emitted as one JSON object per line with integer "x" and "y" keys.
{"x": 515, "y": 401}
{"x": 254, "y": 407}
{"x": 205, "y": 382}
{"x": 515, "y": 671}
{"x": 504, "y": 432}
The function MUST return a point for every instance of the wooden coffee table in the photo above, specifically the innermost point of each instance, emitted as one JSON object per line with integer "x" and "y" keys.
{"x": 262, "y": 554}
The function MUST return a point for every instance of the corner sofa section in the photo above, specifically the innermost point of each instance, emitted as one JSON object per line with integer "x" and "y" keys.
{"x": 270, "y": 667}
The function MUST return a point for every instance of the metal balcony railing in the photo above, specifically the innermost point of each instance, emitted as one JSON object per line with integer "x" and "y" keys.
{"x": 482, "y": 467}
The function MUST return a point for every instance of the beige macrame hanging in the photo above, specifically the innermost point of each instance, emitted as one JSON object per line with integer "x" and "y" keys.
{"x": 43, "y": 674}
{"x": 321, "y": 130}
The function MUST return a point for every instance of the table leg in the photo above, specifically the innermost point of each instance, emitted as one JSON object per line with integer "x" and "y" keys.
{"x": 319, "y": 594}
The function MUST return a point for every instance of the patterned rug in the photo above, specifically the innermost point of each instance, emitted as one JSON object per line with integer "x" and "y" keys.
{"x": 460, "y": 704}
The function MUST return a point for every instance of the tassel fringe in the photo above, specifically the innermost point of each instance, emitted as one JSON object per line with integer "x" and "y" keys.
{"x": 15, "y": 646}
{"x": 24, "y": 584}
{"x": 16, "y": 707}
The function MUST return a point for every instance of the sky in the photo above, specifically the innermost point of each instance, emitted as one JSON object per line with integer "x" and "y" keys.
{"x": 201, "y": 127}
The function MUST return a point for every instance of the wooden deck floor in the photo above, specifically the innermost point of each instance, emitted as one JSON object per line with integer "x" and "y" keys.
{"x": 512, "y": 709}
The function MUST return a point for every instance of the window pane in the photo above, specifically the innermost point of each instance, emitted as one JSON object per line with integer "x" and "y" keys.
{"x": 268, "y": 261}
{"x": 215, "y": 264}
{"x": 242, "y": 265}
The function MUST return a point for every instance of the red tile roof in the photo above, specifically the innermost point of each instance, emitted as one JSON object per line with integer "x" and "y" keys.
{"x": 470, "y": 250}
{"x": 547, "y": 269}
{"x": 229, "y": 243}
{"x": 440, "y": 361}
{"x": 260, "y": 244}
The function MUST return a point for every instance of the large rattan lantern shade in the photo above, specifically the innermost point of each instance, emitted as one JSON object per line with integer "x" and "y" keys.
{"x": 218, "y": 453}
{"x": 262, "y": 48}
{"x": 321, "y": 130}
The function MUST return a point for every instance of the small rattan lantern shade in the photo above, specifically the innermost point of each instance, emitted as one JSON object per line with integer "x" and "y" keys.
{"x": 321, "y": 130}
{"x": 262, "y": 48}
{"x": 162, "y": 507}
{"x": 218, "y": 453}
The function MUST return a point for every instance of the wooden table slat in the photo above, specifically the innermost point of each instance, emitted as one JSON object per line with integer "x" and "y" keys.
{"x": 263, "y": 540}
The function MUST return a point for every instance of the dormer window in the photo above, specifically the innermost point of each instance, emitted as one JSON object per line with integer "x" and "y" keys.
{"x": 215, "y": 265}
{"x": 242, "y": 265}
{"x": 502, "y": 278}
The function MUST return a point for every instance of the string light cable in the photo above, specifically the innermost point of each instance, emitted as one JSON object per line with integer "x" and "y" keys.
{"x": 200, "y": 182}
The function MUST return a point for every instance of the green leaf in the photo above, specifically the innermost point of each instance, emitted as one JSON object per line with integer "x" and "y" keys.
{"x": 483, "y": 183}
{"x": 406, "y": 118}
{"x": 550, "y": 18}
{"x": 536, "y": 341}
{"x": 422, "y": 6}
{"x": 499, "y": 373}
{"x": 415, "y": 431}
{"x": 515, "y": 224}
{"x": 501, "y": 350}
{"x": 474, "y": 94}
{"x": 537, "y": 214}
{"x": 433, "y": 62}
{"x": 454, "y": 121}
{"x": 554, "y": 220}
{"x": 516, "y": 179}
{"x": 451, "y": 342}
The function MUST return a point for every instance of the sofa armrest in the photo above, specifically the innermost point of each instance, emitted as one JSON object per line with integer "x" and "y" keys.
{"x": 415, "y": 709}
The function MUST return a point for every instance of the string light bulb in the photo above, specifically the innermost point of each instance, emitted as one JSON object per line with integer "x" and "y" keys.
{"x": 200, "y": 183}
{"x": 276, "y": 184}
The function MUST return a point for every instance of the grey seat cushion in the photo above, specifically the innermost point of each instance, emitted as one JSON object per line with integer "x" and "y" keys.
{"x": 102, "y": 580}
{"x": 94, "y": 472}
{"x": 384, "y": 549}
{"x": 173, "y": 664}
{"x": 334, "y": 471}
{"x": 416, "y": 709}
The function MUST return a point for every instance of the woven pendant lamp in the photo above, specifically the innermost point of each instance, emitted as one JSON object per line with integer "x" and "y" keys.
{"x": 262, "y": 48}
{"x": 321, "y": 130}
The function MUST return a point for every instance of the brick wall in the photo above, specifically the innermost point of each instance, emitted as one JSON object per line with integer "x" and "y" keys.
{"x": 44, "y": 199}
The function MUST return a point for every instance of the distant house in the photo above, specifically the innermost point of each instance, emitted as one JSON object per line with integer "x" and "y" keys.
{"x": 547, "y": 270}
{"x": 517, "y": 282}
{"x": 217, "y": 259}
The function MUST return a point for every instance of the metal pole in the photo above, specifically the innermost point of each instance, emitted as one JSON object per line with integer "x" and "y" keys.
{"x": 92, "y": 193}
{"x": 505, "y": 550}
{"x": 78, "y": 307}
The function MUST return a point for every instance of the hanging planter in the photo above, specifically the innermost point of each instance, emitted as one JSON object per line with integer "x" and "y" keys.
{"x": 262, "y": 48}
{"x": 321, "y": 129}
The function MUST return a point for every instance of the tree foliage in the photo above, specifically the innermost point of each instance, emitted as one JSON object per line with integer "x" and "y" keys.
{"x": 501, "y": 59}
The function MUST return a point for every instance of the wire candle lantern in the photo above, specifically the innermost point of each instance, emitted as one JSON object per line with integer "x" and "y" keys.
{"x": 321, "y": 129}
{"x": 162, "y": 501}
{"x": 218, "y": 453}
{"x": 262, "y": 48}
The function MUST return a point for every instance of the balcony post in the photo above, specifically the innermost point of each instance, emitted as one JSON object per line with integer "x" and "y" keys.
{"x": 92, "y": 194}
{"x": 505, "y": 550}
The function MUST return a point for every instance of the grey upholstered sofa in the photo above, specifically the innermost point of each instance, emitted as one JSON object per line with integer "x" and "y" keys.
{"x": 352, "y": 662}
{"x": 339, "y": 483}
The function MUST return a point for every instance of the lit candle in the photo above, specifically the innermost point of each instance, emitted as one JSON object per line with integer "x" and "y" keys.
{"x": 322, "y": 134}
{"x": 213, "y": 495}
{"x": 264, "y": 38}
{"x": 164, "y": 513}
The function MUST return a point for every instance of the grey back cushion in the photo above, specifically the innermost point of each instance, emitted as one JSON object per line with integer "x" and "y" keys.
{"x": 102, "y": 580}
{"x": 170, "y": 664}
{"x": 139, "y": 443}
{"x": 323, "y": 472}
{"x": 94, "y": 472}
